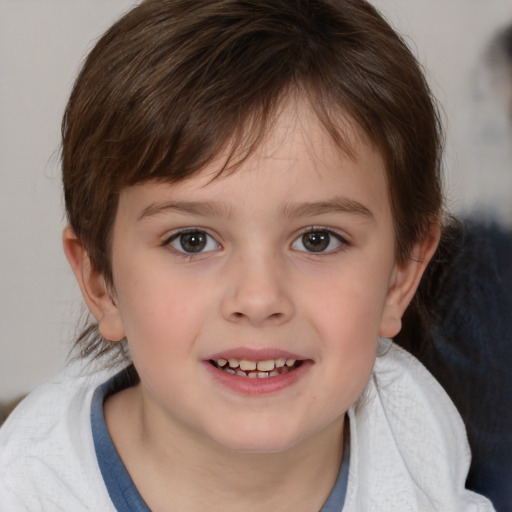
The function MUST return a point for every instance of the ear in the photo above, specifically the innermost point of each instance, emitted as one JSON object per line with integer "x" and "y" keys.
{"x": 95, "y": 290}
{"x": 405, "y": 280}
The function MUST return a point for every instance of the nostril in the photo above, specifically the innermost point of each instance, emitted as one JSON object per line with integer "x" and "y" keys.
{"x": 256, "y": 310}
{"x": 273, "y": 316}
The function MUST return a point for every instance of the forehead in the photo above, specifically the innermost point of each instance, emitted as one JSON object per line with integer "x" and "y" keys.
{"x": 297, "y": 162}
{"x": 299, "y": 124}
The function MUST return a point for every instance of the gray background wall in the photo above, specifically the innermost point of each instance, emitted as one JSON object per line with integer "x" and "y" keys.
{"x": 41, "y": 45}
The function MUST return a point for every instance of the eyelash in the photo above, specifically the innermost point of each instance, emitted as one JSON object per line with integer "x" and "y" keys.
{"x": 193, "y": 230}
{"x": 343, "y": 244}
{"x": 331, "y": 234}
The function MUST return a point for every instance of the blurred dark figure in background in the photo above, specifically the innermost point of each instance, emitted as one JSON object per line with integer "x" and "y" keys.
{"x": 500, "y": 59}
{"x": 467, "y": 302}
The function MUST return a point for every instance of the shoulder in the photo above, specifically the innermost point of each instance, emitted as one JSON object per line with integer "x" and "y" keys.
{"x": 408, "y": 443}
{"x": 46, "y": 449}
{"x": 412, "y": 397}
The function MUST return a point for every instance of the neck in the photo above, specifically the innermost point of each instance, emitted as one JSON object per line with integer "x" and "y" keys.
{"x": 169, "y": 467}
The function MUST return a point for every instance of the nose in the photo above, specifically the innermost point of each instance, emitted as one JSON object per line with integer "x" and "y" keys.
{"x": 257, "y": 293}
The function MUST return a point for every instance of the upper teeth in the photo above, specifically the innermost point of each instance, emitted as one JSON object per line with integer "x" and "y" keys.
{"x": 262, "y": 366}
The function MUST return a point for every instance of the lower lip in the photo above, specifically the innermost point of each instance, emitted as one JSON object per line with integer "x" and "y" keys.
{"x": 257, "y": 386}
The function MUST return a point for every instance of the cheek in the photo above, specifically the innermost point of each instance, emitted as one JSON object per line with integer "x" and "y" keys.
{"x": 349, "y": 306}
{"x": 158, "y": 308}
{"x": 347, "y": 321}
{"x": 162, "y": 325}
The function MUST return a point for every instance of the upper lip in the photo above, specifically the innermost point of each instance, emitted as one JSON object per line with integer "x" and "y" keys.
{"x": 260, "y": 354}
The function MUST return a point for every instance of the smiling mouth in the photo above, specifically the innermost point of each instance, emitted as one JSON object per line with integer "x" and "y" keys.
{"x": 256, "y": 369}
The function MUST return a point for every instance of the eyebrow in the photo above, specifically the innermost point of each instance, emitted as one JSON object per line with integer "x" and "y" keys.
{"x": 203, "y": 208}
{"x": 336, "y": 204}
{"x": 289, "y": 210}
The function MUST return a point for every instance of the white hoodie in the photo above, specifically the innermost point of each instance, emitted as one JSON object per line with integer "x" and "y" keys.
{"x": 408, "y": 445}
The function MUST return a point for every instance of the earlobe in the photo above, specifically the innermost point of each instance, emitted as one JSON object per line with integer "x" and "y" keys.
{"x": 404, "y": 282}
{"x": 94, "y": 288}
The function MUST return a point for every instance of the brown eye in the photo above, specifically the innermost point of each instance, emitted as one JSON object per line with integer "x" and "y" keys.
{"x": 318, "y": 241}
{"x": 193, "y": 242}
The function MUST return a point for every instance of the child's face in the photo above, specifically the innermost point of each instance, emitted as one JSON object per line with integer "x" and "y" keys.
{"x": 291, "y": 257}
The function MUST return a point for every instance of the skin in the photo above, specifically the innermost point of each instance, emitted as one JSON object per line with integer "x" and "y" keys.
{"x": 255, "y": 286}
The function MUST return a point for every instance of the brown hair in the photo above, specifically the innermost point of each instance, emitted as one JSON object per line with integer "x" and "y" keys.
{"x": 175, "y": 81}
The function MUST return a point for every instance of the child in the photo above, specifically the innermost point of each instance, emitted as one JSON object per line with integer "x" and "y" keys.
{"x": 253, "y": 194}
